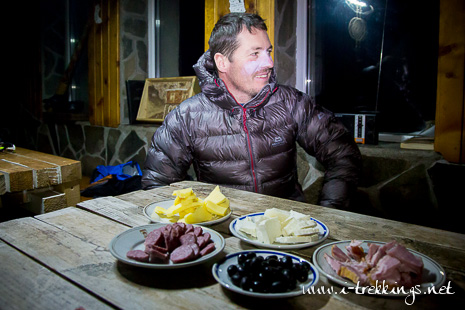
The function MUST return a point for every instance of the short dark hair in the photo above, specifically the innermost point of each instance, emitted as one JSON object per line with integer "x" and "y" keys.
{"x": 223, "y": 38}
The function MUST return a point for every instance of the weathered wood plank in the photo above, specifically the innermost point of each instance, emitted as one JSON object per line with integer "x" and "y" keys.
{"x": 117, "y": 210}
{"x": 17, "y": 178}
{"x": 44, "y": 173}
{"x": 25, "y": 284}
{"x": 70, "y": 168}
{"x": 2, "y": 184}
{"x": 26, "y": 169}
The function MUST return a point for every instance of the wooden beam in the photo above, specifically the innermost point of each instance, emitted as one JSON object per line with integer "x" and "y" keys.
{"x": 104, "y": 66}
{"x": 214, "y": 9}
{"x": 450, "y": 105}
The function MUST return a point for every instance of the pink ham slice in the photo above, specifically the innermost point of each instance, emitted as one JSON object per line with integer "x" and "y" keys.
{"x": 410, "y": 262}
{"x": 335, "y": 264}
{"x": 355, "y": 250}
{"x": 387, "y": 270}
{"x": 337, "y": 253}
{"x": 390, "y": 262}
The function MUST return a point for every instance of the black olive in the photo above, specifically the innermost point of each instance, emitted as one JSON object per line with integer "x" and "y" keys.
{"x": 241, "y": 258}
{"x": 250, "y": 255}
{"x": 246, "y": 283}
{"x": 241, "y": 270}
{"x": 236, "y": 279}
{"x": 288, "y": 275}
{"x": 274, "y": 262}
{"x": 302, "y": 276}
{"x": 232, "y": 269}
{"x": 305, "y": 266}
{"x": 271, "y": 257}
{"x": 292, "y": 284}
{"x": 286, "y": 261}
{"x": 277, "y": 287}
{"x": 263, "y": 276}
{"x": 258, "y": 286}
{"x": 247, "y": 265}
{"x": 256, "y": 264}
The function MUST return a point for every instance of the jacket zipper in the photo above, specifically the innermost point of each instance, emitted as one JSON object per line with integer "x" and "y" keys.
{"x": 252, "y": 165}
{"x": 249, "y": 143}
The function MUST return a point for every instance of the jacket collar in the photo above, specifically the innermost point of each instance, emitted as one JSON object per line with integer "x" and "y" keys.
{"x": 215, "y": 89}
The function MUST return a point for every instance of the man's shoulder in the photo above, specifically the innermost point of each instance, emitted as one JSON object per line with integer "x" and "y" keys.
{"x": 197, "y": 102}
{"x": 291, "y": 94}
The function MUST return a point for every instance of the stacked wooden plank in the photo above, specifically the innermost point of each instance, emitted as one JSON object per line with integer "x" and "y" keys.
{"x": 47, "y": 181}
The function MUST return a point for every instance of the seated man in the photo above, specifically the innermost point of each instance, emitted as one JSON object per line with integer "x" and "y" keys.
{"x": 241, "y": 130}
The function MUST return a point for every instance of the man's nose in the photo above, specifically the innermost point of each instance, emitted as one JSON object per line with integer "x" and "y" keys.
{"x": 267, "y": 61}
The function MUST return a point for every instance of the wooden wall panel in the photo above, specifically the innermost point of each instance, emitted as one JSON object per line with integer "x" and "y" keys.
{"x": 104, "y": 69}
{"x": 214, "y": 9}
{"x": 450, "y": 105}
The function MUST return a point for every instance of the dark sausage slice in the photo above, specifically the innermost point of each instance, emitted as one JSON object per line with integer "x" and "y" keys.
{"x": 182, "y": 254}
{"x": 189, "y": 228}
{"x": 196, "y": 249}
{"x": 156, "y": 256}
{"x": 207, "y": 249}
{"x": 155, "y": 237}
{"x": 198, "y": 231}
{"x": 188, "y": 238}
{"x": 138, "y": 255}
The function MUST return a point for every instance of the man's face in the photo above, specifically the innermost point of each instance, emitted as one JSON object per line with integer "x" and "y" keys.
{"x": 249, "y": 68}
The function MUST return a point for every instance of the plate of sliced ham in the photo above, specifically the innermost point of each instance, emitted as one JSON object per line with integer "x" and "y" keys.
{"x": 389, "y": 266}
{"x": 166, "y": 246}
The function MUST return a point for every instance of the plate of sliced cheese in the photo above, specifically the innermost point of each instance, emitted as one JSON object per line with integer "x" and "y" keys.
{"x": 279, "y": 229}
{"x": 188, "y": 208}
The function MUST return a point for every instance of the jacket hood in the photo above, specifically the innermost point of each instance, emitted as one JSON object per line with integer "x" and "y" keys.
{"x": 215, "y": 89}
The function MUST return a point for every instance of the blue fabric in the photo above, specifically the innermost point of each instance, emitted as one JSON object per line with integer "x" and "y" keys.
{"x": 122, "y": 172}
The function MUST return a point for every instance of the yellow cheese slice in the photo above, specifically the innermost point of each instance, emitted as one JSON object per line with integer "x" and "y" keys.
{"x": 216, "y": 196}
{"x": 181, "y": 207}
{"x": 215, "y": 209}
{"x": 201, "y": 214}
{"x": 183, "y": 193}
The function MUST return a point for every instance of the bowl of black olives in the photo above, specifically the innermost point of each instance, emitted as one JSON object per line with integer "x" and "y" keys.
{"x": 265, "y": 273}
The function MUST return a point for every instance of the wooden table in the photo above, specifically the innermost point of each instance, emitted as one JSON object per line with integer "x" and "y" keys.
{"x": 28, "y": 176}
{"x": 60, "y": 260}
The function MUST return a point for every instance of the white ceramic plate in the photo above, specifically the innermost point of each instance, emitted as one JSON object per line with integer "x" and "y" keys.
{"x": 220, "y": 274}
{"x": 148, "y": 210}
{"x": 433, "y": 273}
{"x": 322, "y": 235}
{"x": 133, "y": 239}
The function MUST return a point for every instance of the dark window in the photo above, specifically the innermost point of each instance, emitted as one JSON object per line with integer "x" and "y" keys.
{"x": 376, "y": 56}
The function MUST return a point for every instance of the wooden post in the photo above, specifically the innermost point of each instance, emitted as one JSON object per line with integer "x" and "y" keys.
{"x": 450, "y": 105}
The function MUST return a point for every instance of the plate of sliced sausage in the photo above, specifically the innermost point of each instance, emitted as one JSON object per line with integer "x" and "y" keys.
{"x": 166, "y": 246}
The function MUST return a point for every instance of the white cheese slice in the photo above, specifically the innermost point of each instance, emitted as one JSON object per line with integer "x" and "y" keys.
{"x": 268, "y": 230}
{"x": 297, "y": 239}
{"x": 295, "y": 225}
{"x": 247, "y": 226}
{"x": 282, "y": 215}
{"x": 299, "y": 216}
{"x": 306, "y": 231}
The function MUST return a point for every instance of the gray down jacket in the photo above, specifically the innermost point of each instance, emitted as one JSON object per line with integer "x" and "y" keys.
{"x": 251, "y": 147}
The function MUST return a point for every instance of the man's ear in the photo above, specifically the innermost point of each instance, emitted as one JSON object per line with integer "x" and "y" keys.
{"x": 222, "y": 62}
